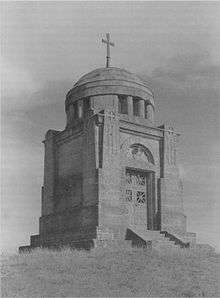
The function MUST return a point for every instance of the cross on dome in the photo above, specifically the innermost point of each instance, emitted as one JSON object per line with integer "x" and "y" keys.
{"x": 108, "y": 44}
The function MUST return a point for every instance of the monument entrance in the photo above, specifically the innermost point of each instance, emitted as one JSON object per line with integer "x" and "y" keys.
{"x": 139, "y": 196}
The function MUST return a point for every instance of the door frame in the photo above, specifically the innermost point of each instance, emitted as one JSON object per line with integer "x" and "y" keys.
{"x": 150, "y": 194}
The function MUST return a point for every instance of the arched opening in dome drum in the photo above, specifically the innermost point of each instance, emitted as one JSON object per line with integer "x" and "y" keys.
{"x": 80, "y": 108}
{"x": 149, "y": 111}
{"x": 122, "y": 104}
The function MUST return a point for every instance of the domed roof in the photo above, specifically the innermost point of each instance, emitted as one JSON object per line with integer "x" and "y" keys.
{"x": 111, "y": 80}
{"x": 110, "y": 73}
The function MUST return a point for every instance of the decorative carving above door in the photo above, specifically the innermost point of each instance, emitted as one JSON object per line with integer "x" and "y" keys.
{"x": 140, "y": 152}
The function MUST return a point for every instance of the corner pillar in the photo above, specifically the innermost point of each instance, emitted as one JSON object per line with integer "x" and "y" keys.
{"x": 48, "y": 190}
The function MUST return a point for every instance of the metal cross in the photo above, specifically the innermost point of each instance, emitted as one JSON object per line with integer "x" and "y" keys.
{"x": 109, "y": 43}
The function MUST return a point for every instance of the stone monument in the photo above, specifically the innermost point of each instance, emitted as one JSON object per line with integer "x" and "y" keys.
{"x": 111, "y": 174}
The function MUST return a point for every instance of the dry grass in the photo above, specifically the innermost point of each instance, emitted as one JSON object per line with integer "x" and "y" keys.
{"x": 105, "y": 273}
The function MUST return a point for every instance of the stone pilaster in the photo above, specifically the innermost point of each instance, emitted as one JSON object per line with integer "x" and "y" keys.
{"x": 71, "y": 114}
{"x": 90, "y": 171}
{"x": 171, "y": 204}
{"x": 142, "y": 108}
{"x": 109, "y": 176}
{"x": 68, "y": 121}
{"x": 130, "y": 106}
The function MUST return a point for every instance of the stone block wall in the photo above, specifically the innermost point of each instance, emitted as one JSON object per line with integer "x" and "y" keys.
{"x": 78, "y": 221}
{"x": 69, "y": 156}
{"x": 69, "y": 176}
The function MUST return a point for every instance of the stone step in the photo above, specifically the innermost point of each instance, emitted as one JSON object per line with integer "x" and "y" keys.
{"x": 149, "y": 235}
{"x": 146, "y": 234}
{"x": 158, "y": 239}
{"x": 164, "y": 241}
{"x": 177, "y": 240}
{"x": 168, "y": 241}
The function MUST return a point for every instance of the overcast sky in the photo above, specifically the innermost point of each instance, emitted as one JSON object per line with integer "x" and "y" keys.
{"x": 47, "y": 46}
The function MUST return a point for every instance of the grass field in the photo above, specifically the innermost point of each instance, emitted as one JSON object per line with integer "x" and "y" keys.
{"x": 105, "y": 273}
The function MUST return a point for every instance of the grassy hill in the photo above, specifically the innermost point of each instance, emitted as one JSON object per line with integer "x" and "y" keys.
{"x": 105, "y": 273}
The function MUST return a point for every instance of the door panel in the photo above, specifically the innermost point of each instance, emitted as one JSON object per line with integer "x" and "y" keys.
{"x": 136, "y": 196}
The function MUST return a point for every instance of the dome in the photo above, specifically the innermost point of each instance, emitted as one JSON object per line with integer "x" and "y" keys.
{"x": 110, "y": 73}
{"x": 109, "y": 80}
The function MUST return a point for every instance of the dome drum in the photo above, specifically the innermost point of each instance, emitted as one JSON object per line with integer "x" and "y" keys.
{"x": 113, "y": 81}
{"x": 134, "y": 97}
